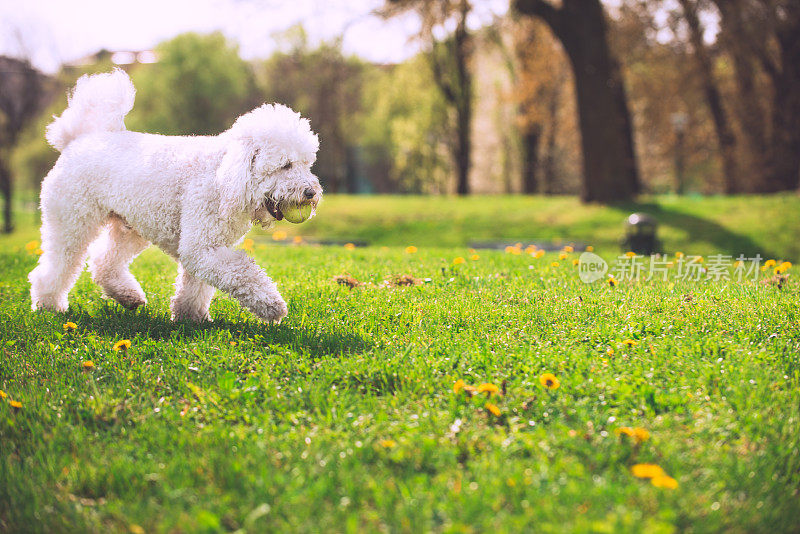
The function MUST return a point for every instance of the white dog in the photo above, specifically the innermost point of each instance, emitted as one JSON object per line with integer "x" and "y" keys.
{"x": 113, "y": 192}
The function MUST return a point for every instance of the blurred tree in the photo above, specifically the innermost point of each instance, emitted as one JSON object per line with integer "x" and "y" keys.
{"x": 765, "y": 33}
{"x": 724, "y": 131}
{"x": 405, "y": 120}
{"x": 325, "y": 87}
{"x": 537, "y": 72}
{"x": 23, "y": 94}
{"x": 450, "y": 64}
{"x": 610, "y": 169}
{"x": 198, "y": 86}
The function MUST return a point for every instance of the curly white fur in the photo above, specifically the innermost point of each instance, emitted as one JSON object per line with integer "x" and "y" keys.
{"x": 113, "y": 192}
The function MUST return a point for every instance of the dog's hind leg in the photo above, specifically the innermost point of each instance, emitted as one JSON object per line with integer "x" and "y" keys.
{"x": 66, "y": 235}
{"x": 109, "y": 258}
{"x": 192, "y": 298}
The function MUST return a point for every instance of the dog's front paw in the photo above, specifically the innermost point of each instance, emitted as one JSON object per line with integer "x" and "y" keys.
{"x": 271, "y": 311}
{"x": 278, "y": 310}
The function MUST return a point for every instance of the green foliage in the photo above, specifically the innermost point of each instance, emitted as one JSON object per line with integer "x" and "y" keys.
{"x": 326, "y": 88}
{"x": 198, "y": 87}
{"x": 405, "y": 117}
{"x": 32, "y": 158}
{"x": 344, "y": 418}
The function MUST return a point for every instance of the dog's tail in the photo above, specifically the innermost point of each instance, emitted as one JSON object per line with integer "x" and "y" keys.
{"x": 98, "y": 103}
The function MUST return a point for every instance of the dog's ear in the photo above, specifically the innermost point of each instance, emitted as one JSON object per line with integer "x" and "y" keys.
{"x": 234, "y": 175}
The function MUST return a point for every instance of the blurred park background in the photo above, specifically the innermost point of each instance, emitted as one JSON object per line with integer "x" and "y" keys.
{"x": 607, "y": 102}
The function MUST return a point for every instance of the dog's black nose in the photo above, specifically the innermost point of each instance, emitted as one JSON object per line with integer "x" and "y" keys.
{"x": 309, "y": 193}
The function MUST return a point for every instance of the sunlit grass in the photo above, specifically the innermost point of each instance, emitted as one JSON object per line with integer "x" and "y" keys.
{"x": 498, "y": 393}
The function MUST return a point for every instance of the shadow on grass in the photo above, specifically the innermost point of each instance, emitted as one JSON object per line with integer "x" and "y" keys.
{"x": 116, "y": 322}
{"x": 701, "y": 229}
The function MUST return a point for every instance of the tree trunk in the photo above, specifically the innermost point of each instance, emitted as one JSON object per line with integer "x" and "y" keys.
{"x": 749, "y": 102}
{"x": 609, "y": 160}
{"x": 725, "y": 137}
{"x": 784, "y": 161}
{"x": 6, "y": 189}
{"x": 463, "y": 149}
{"x": 530, "y": 158}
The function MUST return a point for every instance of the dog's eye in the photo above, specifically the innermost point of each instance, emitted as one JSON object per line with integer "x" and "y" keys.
{"x": 287, "y": 166}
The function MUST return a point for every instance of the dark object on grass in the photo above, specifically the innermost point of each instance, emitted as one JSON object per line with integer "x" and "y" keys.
{"x": 640, "y": 234}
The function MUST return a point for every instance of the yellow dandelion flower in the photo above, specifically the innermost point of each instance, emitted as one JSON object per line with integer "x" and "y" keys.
{"x": 487, "y": 388}
{"x": 297, "y": 240}
{"x": 737, "y": 264}
{"x": 459, "y": 385}
{"x": 474, "y": 257}
{"x": 88, "y": 365}
{"x": 539, "y": 253}
{"x": 554, "y": 264}
{"x": 639, "y": 434}
{"x": 15, "y": 404}
{"x": 576, "y": 261}
{"x": 783, "y": 267}
{"x": 530, "y": 249}
{"x": 630, "y": 254}
{"x": 232, "y": 343}
{"x": 630, "y": 342}
{"x": 516, "y": 251}
{"x": 387, "y": 443}
{"x": 279, "y": 235}
{"x": 562, "y": 256}
{"x": 647, "y": 471}
{"x": 610, "y": 351}
{"x": 411, "y": 249}
{"x": 664, "y": 481}
{"x": 38, "y": 252}
{"x": 247, "y": 244}
{"x": 3, "y": 394}
{"x": 679, "y": 255}
{"x": 31, "y": 246}
{"x": 122, "y": 344}
{"x": 699, "y": 259}
{"x": 568, "y": 249}
{"x": 589, "y": 248}
{"x": 492, "y": 408}
{"x": 769, "y": 263}
{"x": 458, "y": 260}
{"x": 549, "y": 381}
{"x": 612, "y": 281}
{"x": 349, "y": 246}
{"x": 70, "y": 326}
{"x": 626, "y": 430}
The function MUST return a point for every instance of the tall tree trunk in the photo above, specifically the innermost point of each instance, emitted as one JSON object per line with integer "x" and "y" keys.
{"x": 609, "y": 160}
{"x": 530, "y": 158}
{"x": 784, "y": 164}
{"x": 454, "y": 80}
{"x": 725, "y": 138}
{"x": 750, "y": 110}
{"x": 6, "y": 189}
{"x": 463, "y": 149}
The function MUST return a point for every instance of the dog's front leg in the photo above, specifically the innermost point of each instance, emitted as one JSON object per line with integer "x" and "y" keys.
{"x": 235, "y": 273}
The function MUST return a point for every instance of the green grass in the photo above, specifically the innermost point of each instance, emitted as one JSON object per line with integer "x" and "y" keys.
{"x": 734, "y": 225}
{"x": 344, "y": 417}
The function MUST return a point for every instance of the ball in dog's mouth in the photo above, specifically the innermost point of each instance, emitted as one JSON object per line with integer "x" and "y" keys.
{"x": 294, "y": 213}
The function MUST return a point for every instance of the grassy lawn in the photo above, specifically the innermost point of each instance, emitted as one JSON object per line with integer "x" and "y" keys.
{"x": 344, "y": 417}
